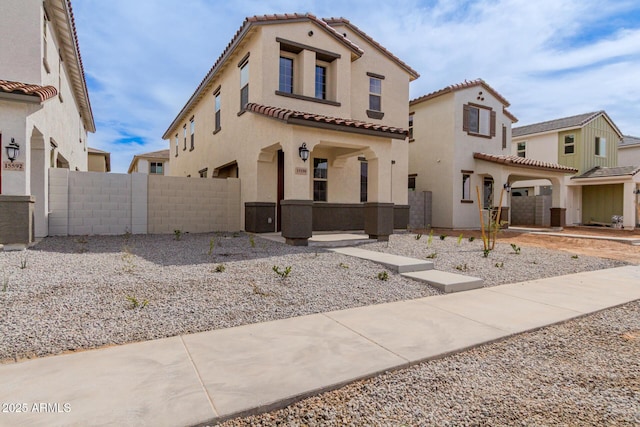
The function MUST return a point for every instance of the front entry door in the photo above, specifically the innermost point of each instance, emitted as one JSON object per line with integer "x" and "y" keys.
{"x": 280, "y": 190}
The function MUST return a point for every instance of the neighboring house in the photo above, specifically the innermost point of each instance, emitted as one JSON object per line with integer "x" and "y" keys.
{"x": 98, "y": 160}
{"x": 153, "y": 163}
{"x": 589, "y": 143}
{"x": 629, "y": 151}
{"x": 44, "y": 109}
{"x": 460, "y": 138}
{"x": 289, "y": 87}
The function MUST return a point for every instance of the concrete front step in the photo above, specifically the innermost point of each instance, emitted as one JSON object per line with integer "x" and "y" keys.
{"x": 397, "y": 263}
{"x": 445, "y": 281}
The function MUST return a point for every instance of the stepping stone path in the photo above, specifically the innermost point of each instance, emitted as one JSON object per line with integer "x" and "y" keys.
{"x": 416, "y": 269}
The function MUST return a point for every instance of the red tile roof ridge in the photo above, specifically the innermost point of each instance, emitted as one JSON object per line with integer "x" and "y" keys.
{"x": 523, "y": 161}
{"x": 286, "y": 114}
{"x": 43, "y": 92}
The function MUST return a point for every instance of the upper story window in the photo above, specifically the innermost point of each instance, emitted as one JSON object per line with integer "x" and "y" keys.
{"x": 601, "y": 147}
{"x": 321, "y": 82}
{"x": 177, "y": 143}
{"x": 375, "y": 96}
{"x": 504, "y": 137}
{"x": 218, "y": 105}
{"x": 411, "y": 127}
{"x": 184, "y": 131}
{"x": 522, "y": 149}
{"x": 45, "y": 47}
{"x": 569, "y": 144}
{"x": 286, "y": 75}
{"x": 478, "y": 120}
{"x": 192, "y": 126}
{"x": 244, "y": 85}
{"x": 156, "y": 168}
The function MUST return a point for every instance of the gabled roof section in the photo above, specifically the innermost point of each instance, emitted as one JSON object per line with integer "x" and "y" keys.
{"x": 153, "y": 155}
{"x": 605, "y": 172}
{"x": 628, "y": 141}
{"x": 326, "y": 122}
{"x": 39, "y": 93}
{"x": 343, "y": 21}
{"x": 61, "y": 14}
{"x": 564, "y": 123}
{"x": 242, "y": 32}
{"x": 459, "y": 86}
{"x": 465, "y": 85}
{"x": 523, "y": 162}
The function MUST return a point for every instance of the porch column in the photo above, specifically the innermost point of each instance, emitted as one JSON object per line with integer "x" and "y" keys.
{"x": 558, "y": 203}
{"x": 378, "y": 212}
{"x": 297, "y": 206}
{"x": 629, "y": 205}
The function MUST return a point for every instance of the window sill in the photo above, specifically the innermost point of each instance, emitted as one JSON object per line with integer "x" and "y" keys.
{"x": 217, "y": 130}
{"x": 412, "y": 140}
{"x": 466, "y": 201}
{"x": 192, "y": 148}
{"x": 241, "y": 112}
{"x": 308, "y": 98}
{"x": 479, "y": 135}
{"x": 378, "y": 115}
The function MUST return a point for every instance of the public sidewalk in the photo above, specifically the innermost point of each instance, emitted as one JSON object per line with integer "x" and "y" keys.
{"x": 200, "y": 378}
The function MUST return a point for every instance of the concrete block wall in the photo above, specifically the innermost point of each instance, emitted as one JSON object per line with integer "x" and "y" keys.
{"x": 194, "y": 205}
{"x": 420, "y": 209}
{"x": 531, "y": 210}
{"x": 107, "y": 203}
{"x": 99, "y": 203}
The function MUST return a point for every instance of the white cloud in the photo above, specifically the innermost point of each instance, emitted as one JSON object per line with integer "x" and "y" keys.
{"x": 549, "y": 58}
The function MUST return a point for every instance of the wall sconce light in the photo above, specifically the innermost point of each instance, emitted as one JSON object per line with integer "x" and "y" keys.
{"x": 507, "y": 187}
{"x": 303, "y": 152}
{"x": 13, "y": 150}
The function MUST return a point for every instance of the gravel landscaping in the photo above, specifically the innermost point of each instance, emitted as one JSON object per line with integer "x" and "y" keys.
{"x": 71, "y": 293}
{"x": 584, "y": 372}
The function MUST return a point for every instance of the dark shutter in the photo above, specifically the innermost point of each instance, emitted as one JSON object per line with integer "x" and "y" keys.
{"x": 504, "y": 137}
{"x": 493, "y": 123}
{"x": 465, "y": 118}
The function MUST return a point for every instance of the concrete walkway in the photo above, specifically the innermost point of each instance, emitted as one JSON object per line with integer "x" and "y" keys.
{"x": 200, "y": 378}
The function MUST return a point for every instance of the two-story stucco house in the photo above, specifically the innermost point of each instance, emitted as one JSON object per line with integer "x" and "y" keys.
{"x": 460, "y": 140}
{"x": 588, "y": 142}
{"x": 45, "y": 112}
{"x": 310, "y": 114}
{"x": 153, "y": 163}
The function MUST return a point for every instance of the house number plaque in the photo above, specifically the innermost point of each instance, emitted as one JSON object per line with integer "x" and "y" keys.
{"x": 15, "y": 166}
{"x": 301, "y": 171}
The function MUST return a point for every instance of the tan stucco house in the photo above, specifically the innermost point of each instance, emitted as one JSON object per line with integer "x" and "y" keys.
{"x": 98, "y": 160}
{"x": 460, "y": 140}
{"x": 601, "y": 188}
{"x": 294, "y": 86}
{"x": 44, "y": 110}
{"x": 153, "y": 163}
{"x": 629, "y": 151}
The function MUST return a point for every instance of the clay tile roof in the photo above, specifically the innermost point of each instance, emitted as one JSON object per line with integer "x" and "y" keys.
{"x": 563, "y": 123}
{"x": 459, "y": 86}
{"x": 317, "y": 120}
{"x": 248, "y": 23}
{"x": 335, "y": 21}
{"x": 524, "y": 162}
{"x": 42, "y": 92}
{"x": 604, "y": 172}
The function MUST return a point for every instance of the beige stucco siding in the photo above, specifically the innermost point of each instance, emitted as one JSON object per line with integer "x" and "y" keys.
{"x": 21, "y": 44}
{"x": 629, "y": 156}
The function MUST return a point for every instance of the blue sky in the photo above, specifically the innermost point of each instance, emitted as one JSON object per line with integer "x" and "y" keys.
{"x": 549, "y": 58}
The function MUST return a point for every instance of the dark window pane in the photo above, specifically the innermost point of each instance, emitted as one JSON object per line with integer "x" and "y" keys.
{"x": 321, "y": 82}
{"x": 474, "y": 120}
{"x": 364, "y": 179}
{"x": 320, "y": 167}
{"x": 374, "y": 103}
{"x": 320, "y": 191}
{"x": 286, "y": 75}
{"x": 244, "y": 96}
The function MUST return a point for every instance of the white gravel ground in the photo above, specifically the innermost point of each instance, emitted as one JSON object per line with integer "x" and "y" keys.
{"x": 78, "y": 292}
{"x": 585, "y": 372}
